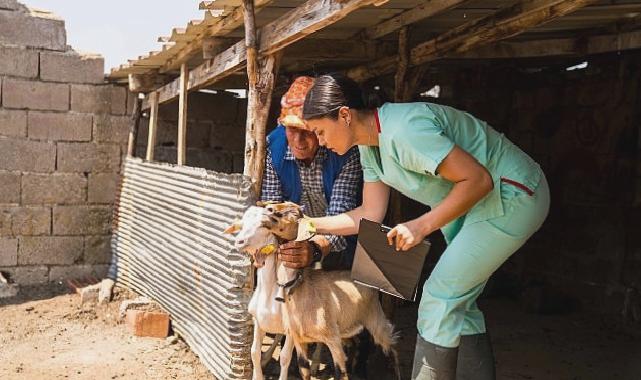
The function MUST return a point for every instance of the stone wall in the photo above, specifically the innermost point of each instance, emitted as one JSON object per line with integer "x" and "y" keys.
{"x": 215, "y": 132}
{"x": 583, "y": 127}
{"x": 63, "y": 132}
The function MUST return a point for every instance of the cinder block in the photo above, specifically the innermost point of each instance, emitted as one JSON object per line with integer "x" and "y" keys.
{"x": 18, "y": 62}
{"x": 13, "y": 123}
{"x": 34, "y": 28}
{"x": 27, "y": 156}
{"x": 48, "y": 250}
{"x": 9, "y": 5}
{"x": 19, "y": 93}
{"x": 148, "y": 323}
{"x": 72, "y": 67}
{"x": 9, "y": 187}
{"x": 98, "y": 99}
{"x": 31, "y": 275}
{"x": 82, "y": 220}
{"x": 88, "y": 157}
{"x": 97, "y": 249}
{"x": 103, "y": 187}
{"x": 228, "y": 137}
{"x": 60, "y": 273}
{"x": 17, "y": 220}
{"x": 60, "y": 126}
{"x": 113, "y": 129}
{"x": 8, "y": 252}
{"x": 54, "y": 188}
{"x": 131, "y": 100}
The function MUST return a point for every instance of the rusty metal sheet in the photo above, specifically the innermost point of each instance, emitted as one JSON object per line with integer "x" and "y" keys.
{"x": 168, "y": 245}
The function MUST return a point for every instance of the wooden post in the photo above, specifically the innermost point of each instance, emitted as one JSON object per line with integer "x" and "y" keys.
{"x": 394, "y": 212}
{"x": 135, "y": 123}
{"x": 153, "y": 123}
{"x": 261, "y": 75}
{"x": 182, "y": 115}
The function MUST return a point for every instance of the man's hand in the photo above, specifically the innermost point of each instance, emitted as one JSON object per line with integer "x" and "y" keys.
{"x": 296, "y": 254}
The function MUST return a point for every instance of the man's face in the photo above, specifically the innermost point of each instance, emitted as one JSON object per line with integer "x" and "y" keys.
{"x": 302, "y": 143}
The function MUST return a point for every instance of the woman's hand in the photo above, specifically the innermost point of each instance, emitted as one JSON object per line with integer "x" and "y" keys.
{"x": 406, "y": 235}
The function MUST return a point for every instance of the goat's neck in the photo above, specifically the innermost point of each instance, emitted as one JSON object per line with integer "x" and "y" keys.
{"x": 263, "y": 299}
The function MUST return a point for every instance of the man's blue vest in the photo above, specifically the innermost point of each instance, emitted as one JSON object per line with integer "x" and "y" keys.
{"x": 291, "y": 186}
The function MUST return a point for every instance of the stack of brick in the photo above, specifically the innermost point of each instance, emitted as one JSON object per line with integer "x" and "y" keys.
{"x": 62, "y": 135}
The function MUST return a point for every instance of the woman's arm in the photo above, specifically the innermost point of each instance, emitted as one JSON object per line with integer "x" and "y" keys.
{"x": 472, "y": 182}
{"x": 375, "y": 198}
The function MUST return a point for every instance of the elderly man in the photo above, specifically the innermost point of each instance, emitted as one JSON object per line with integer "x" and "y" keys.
{"x": 299, "y": 170}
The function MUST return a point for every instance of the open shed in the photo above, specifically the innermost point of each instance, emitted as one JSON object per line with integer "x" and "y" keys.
{"x": 560, "y": 78}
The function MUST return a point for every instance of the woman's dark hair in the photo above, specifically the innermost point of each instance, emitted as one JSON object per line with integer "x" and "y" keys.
{"x": 333, "y": 91}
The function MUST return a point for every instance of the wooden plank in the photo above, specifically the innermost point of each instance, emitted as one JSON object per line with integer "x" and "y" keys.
{"x": 310, "y": 17}
{"x": 222, "y": 27}
{"x": 182, "y": 115}
{"x": 153, "y": 126}
{"x": 259, "y": 99}
{"x": 503, "y": 24}
{"x": 557, "y": 47}
{"x": 300, "y": 22}
{"x": 135, "y": 124}
{"x": 418, "y": 13}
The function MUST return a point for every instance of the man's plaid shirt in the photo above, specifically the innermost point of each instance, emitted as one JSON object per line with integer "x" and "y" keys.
{"x": 344, "y": 192}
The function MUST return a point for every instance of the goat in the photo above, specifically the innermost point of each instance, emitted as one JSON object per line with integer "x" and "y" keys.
{"x": 267, "y": 312}
{"x": 317, "y": 306}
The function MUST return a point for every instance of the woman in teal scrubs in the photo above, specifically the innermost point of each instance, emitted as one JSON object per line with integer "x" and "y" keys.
{"x": 486, "y": 196}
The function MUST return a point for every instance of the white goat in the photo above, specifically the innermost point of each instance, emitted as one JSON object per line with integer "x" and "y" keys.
{"x": 267, "y": 312}
{"x": 319, "y": 306}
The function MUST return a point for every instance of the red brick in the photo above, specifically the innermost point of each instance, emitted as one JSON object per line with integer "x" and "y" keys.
{"x": 148, "y": 323}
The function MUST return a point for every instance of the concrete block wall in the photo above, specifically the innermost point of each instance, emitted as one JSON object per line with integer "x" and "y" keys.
{"x": 215, "y": 132}
{"x": 63, "y": 132}
{"x": 584, "y": 128}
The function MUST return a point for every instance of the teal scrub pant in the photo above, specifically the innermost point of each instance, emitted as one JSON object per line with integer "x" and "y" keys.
{"x": 448, "y": 306}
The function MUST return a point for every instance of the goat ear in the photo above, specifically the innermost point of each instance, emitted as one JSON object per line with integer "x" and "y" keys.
{"x": 233, "y": 228}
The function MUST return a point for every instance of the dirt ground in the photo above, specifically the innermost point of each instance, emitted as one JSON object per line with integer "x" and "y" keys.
{"x": 46, "y": 334}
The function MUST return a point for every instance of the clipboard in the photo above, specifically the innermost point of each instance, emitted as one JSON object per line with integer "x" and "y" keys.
{"x": 378, "y": 265}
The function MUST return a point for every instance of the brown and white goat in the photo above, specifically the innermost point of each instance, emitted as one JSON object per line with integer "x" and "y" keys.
{"x": 317, "y": 306}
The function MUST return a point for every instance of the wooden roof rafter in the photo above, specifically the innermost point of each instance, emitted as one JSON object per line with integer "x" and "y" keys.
{"x": 506, "y": 22}
{"x": 294, "y": 25}
{"x": 416, "y": 14}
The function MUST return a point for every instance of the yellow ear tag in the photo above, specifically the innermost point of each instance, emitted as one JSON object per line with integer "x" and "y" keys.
{"x": 306, "y": 229}
{"x": 268, "y": 249}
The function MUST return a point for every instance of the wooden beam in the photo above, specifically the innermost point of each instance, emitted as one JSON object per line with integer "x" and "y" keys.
{"x": 259, "y": 99}
{"x": 251, "y": 45}
{"x": 153, "y": 126}
{"x": 581, "y": 46}
{"x": 182, "y": 116}
{"x": 226, "y": 24}
{"x": 135, "y": 124}
{"x": 401, "y": 69}
{"x": 502, "y": 24}
{"x": 214, "y": 45}
{"x": 146, "y": 82}
{"x": 410, "y": 16}
{"x": 289, "y": 28}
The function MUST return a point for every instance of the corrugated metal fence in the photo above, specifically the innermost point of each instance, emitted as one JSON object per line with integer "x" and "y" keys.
{"x": 169, "y": 246}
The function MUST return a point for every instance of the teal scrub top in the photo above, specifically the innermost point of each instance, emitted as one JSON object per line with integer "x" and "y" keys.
{"x": 415, "y": 138}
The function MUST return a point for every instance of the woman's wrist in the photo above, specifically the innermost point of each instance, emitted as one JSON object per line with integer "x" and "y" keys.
{"x": 426, "y": 224}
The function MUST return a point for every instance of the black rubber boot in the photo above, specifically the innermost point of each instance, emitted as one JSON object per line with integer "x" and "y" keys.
{"x": 433, "y": 362}
{"x": 475, "y": 358}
